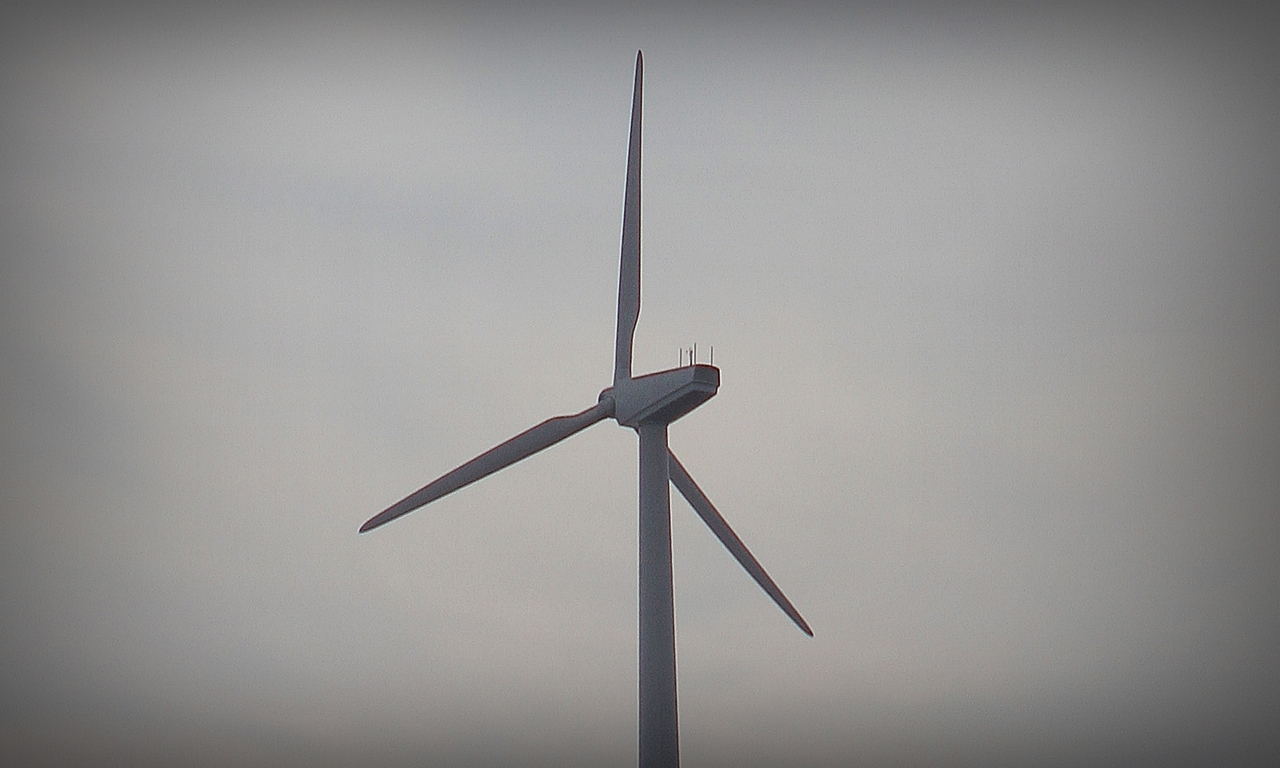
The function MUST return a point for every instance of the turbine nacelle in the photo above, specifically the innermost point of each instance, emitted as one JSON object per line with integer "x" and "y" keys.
{"x": 664, "y": 396}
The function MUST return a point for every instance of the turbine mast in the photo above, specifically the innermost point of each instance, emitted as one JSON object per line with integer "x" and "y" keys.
{"x": 659, "y": 721}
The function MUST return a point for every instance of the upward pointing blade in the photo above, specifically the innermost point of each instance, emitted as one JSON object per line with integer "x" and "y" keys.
{"x": 525, "y": 444}
{"x": 629, "y": 272}
{"x": 681, "y": 479}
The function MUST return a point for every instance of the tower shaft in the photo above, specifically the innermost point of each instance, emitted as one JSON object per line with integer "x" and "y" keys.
{"x": 659, "y": 730}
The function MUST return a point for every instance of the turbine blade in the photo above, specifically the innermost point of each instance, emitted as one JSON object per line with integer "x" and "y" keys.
{"x": 629, "y": 271}
{"x": 525, "y": 444}
{"x": 681, "y": 479}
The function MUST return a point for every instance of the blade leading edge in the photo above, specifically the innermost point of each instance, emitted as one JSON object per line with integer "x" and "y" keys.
{"x": 682, "y": 480}
{"x": 629, "y": 271}
{"x": 521, "y": 446}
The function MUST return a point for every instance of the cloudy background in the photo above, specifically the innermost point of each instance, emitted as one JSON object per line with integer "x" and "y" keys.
{"x": 995, "y": 295}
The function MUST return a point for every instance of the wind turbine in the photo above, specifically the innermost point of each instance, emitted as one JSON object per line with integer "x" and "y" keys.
{"x": 647, "y": 404}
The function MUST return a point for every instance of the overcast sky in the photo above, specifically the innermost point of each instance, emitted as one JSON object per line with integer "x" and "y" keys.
{"x": 995, "y": 295}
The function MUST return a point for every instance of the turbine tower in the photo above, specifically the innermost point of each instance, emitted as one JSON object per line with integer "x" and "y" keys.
{"x": 647, "y": 404}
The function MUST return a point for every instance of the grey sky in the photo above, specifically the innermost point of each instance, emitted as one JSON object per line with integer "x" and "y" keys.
{"x": 995, "y": 296}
